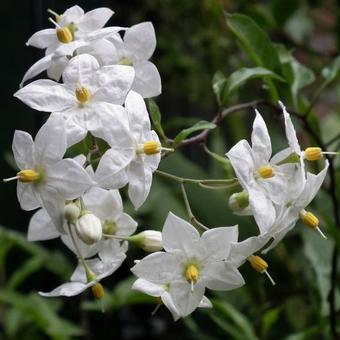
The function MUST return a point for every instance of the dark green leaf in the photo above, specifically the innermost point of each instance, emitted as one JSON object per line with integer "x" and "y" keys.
{"x": 156, "y": 117}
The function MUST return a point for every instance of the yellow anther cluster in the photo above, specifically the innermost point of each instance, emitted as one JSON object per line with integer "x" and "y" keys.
{"x": 28, "y": 176}
{"x": 83, "y": 95}
{"x": 64, "y": 35}
{"x": 265, "y": 171}
{"x": 258, "y": 263}
{"x": 191, "y": 273}
{"x": 151, "y": 147}
{"x": 313, "y": 154}
{"x": 125, "y": 61}
{"x": 98, "y": 291}
{"x": 309, "y": 219}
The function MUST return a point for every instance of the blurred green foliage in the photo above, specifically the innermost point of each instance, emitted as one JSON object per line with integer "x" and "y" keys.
{"x": 211, "y": 55}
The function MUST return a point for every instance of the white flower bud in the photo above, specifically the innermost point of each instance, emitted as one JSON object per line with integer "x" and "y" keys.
{"x": 239, "y": 203}
{"x": 148, "y": 240}
{"x": 71, "y": 212}
{"x": 89, "y": 228}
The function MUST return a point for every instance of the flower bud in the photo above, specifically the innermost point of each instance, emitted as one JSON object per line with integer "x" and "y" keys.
{"x": 71, "y": 212}
{"x": 89, "y": 228}
{"x": 64, "y": 35}
{"x": 148, "y": 240}
{"x": 239, "y": 201}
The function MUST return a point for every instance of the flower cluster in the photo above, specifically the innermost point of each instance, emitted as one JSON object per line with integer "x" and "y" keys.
{"x": 99, "y": 78}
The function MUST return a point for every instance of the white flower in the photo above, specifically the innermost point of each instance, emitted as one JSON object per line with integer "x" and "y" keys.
{"x": 161, "y": 291}
{"x": 85, "y": 97}
{"x": 191, "y": 263}
{"x": 72, "y": 25}
{"x": 289, "y": 214}
{"x": 136, "y": 48}
{"x": 145, "y": 152}
{"x": 264, "y": 180}
{"x": 80, "y": 280}
{"x": 75, "y": 30}
{"x": 89, "y": 228}
{"x": 45, "y": 179}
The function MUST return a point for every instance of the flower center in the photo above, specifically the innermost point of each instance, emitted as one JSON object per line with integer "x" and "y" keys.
{"x": 28, "y": 176}
{"x": 260, "y": 265}
{"x": 83, "y": 95}
{"x": 313, "y": 153}
{"x": 309, "y": 219}
{"x": 125, "y": 61}
{"x": 109, "y": 227}
{"x": 64, "y": 35}
{"x": 98, "y": 291}
{"x": 191, "y": 275}
{"x": 265, "y": 171}
{"x": 149, "y": 148}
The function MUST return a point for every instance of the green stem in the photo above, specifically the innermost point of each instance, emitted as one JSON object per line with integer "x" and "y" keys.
{"x": 195, "y": 181}
{"x": 192, "y": 217}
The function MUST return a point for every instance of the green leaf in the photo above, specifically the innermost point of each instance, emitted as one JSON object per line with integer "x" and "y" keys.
{"x": 331, "y": 71}
{"x": 156, "y": 117}
{"x": 255, "y": 41}
{"x": 218, "y": 83}
{"x": 242, "y": 323}
{"x": 201, "y": 125}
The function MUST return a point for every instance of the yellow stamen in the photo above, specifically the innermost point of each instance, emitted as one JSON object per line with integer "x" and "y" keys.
{"x": 309, "y": 219}
{"x": 260, "y": 265}
{"x": 28, "y": 176}
{"x": 313, "y": 153}
{"x": 265, "y": 171}
{"x": 151, "y": 147}
{"x": 83, "y": 95}
{"x": 191, "y": 274}
{"x": 98, "y": 291}
{"x": 64, "y": 35}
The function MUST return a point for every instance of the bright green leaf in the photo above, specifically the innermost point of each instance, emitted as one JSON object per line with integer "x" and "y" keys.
{"x": 156, "y": 117}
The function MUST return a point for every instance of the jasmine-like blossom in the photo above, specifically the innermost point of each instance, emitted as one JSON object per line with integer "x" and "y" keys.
{"x": 191, "y": 263}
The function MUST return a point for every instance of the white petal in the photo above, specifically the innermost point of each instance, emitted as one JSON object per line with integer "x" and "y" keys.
{"x": 94, "y": 19}
{"x": 159, "y": 268}
{"x": 138, "y": 115}
{"x": 72, "y": 14}
{"x": 217, "y": 242}
{"x": 105, "y": 204}
{"x": 178, "y": 234}
{"x": 45, "y": 95}
{"x": 184, "y": 299}
{"x": 69, "y": 178}
{"x": 148, "y": 287}
{"x": 43, "y": 38}
{"x": 113, "y": 83}
{"x": 290, "y": 131}
{"x": 38, "y": 67}
{"x": 222, "y": 276}
{"x": 205, "y": 303}
{"x": 147, "y": 80}
{"x": 140, "y": 40}
{"x": 80, "y": 70}
{"x": 168, "y": 303}
{"x": 312, "y": 186}
{"x": 66, "y": 289}
{"x": 23, "y": 150}
{"x": 111, "y": 253}
{"x": 85, "y": 249}
{"x": 57, "y": 67}
{"x": 260, "y": 141}
{"x": 50, "y": 141}
{"x": 27, "y": 196}
{"x": 41, "y": 227}
{"x": 242, "y": 160}
{"x": 140, "y": 180}
{"x": 75, "y": 127}
{"x": 126, "y": 225}
{"x": 262, "y": 208}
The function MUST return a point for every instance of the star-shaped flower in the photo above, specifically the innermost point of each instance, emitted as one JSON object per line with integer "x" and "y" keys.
{"x": 191, "y": 263}
{"x": 46, "y": 179}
